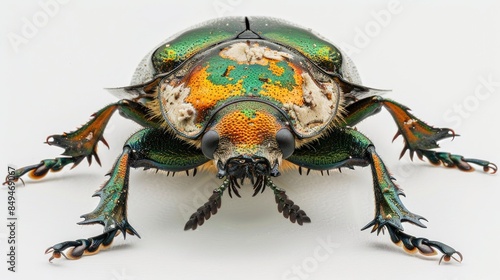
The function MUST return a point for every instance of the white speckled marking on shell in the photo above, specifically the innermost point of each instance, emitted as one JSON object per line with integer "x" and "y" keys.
{"x": 252, "y": 54}
{"x": 179, "y": 113}
{"x": 318, "y": 109}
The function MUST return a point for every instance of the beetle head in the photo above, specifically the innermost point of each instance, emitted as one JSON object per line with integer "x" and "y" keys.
{"x": 248, "y": 139}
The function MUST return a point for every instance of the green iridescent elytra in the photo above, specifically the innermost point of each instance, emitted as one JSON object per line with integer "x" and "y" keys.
{"x": 178, "y": 49}
{"x": 321, "y": 52}
{"x": 190, "y": 42}
{"x": 247, "y": 97}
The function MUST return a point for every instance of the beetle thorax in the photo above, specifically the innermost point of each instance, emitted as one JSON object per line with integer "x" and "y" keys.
{"x": 242, "y": 69}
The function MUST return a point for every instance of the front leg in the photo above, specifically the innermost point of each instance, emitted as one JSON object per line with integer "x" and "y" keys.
{"x": 389, "y": 208}
{"x": 345, "y": 147}
{"x": 110, "y": 212}
{"x": 148, "y": 148}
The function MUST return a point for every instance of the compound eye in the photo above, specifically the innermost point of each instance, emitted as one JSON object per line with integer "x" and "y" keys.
{"x": 286, "y": 142}
{"x": 209, "y": 143}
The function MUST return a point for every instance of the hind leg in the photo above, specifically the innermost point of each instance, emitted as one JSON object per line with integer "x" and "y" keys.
{"x": 419, "y": 137}
{"x": 82, "y": 143}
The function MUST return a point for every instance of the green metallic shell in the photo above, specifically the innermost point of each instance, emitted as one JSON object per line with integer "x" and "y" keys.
{"x": 175, "y": 60}
{"x": 171, "y": 54}
{"x": 324, "y": 54}
{"x": 177, "y": 50}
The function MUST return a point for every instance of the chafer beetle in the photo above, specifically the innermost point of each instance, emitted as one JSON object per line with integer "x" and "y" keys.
{"x": 248, "y": 96}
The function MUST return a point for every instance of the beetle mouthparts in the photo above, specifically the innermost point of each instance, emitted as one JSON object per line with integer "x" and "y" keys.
{"x": 254, "y": 168}
{"x": 247, "y": 166}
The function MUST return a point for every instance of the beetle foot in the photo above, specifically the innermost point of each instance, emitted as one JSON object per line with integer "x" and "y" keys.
{"x": 426, "y": 247}
{"x": 286, "y": 206}
{"x": 73, "y": 250}
{"x": 451, "y": 160}
{"x": 394, "y": 212}
{"x": 208, "y": 209}
{"x": 39, "y": 170}
{"x": 394, "y": 220}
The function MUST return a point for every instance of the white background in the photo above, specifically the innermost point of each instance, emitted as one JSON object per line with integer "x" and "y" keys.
{"x": 433, "y": 57}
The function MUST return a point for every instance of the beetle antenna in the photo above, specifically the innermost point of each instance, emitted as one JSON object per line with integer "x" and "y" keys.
{"x": 286, "y": 206}
{"x": 209, "y": 208}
